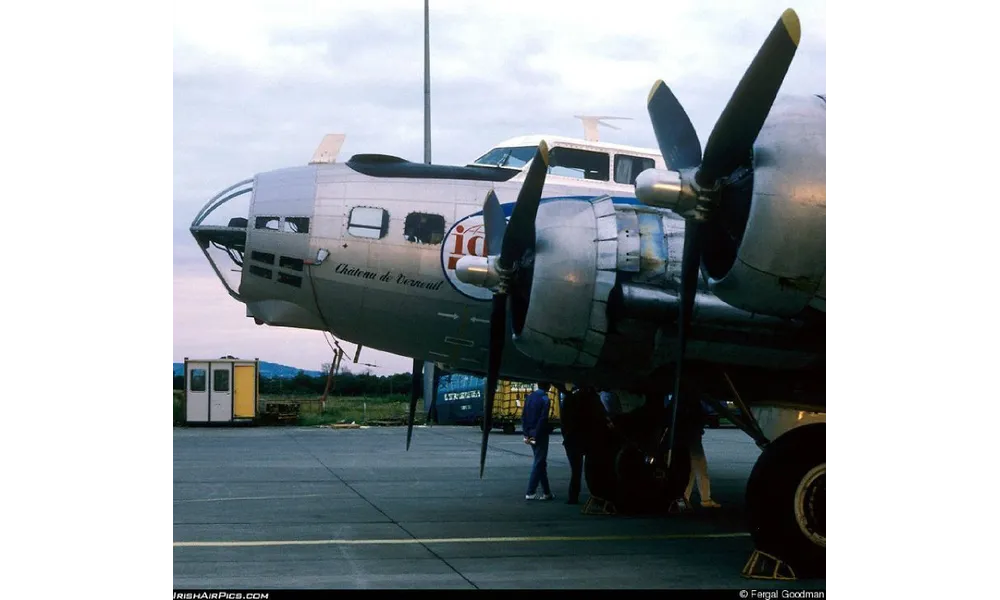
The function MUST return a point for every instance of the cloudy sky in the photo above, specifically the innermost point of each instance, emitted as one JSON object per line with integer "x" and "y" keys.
{"x": 257, "y": 84}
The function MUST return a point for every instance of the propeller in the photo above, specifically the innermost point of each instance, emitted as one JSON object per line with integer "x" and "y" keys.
{"x": 516, "y": 241}
{"x": 416, "y": 383}
{"x": 694, "y": 187}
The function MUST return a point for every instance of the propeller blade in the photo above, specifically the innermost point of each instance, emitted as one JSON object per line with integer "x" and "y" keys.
{"x": 415, "y": 385}
{"x": 520, "y": 234}
{"x": 518, "y": 240}
{"x": 694, "y": 232}
{"x": 495, "y": 224}
{"x": 732, "y": 138}
{"x": 498, "y": 333}
{"x": 674, "y": 132}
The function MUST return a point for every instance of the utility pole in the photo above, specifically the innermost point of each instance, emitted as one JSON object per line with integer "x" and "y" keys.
{"x": 416, "y": 380}
{"x": 427, "y": 82}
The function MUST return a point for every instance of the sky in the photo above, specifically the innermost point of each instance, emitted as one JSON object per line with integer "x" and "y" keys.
{"x": 257, "y": 88}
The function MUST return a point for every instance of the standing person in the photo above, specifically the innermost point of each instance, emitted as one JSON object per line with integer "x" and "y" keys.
{"x": 535, "y": 426}
{"x": 573, "y": 439}
{"x": 691, "y": 428}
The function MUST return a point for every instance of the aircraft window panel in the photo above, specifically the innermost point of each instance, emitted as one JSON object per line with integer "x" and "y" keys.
{"x": 197, "y": 380}
{"x": 513, "y": 158}
{"x": 579, "y": 164}
{"x": 273, "y": 223}
{"x": 260, "y": 271}
{"x": 288, "y": 262}
{"x": 264, "y": 257}
{"x": 368, "y": 222}
{"x": 627, "y": 168}
{"x": 220, "y": 381}
{"x": 493, "y": 157}
{"x": 292, "y": 280}
{"x": 519, "y": 157}
{"x": 296, "y": 225}
{"x": 424, "y": 228}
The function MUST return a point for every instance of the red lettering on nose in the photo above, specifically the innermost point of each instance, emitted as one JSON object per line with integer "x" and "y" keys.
{"x": 459, "y": 238}
{"x": 477, "y": 246}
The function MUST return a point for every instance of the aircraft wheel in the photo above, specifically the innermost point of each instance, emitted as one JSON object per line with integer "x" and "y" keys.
{"x": 786, "y": 500}
{"x": 644, "y": 488}
{"x": 599, "y": 473}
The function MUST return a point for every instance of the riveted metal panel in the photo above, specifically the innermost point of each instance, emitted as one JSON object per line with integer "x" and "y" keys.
{"x": 599, "y": 316}
{"x": 628, "y": 240}
{"x": 607, "y": 254}
{"x": 607, "y": 228}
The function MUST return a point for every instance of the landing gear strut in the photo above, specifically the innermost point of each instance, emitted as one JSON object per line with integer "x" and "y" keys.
{"x": 786, "y": 500}
{"x": 629, "y": 468}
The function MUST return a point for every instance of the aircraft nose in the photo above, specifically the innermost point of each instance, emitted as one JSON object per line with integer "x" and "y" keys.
{"x": 220, "y": 226}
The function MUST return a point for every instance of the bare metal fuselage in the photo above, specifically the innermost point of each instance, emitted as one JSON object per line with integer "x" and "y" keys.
{"x": 400, "y": 295}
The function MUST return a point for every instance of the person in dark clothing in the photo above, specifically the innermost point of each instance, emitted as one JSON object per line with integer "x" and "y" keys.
{"x": 573, "y": 435}
{"x": 591, "y": 435}
{"x": 586, "y": 429}
{"x": 535, "y": 424}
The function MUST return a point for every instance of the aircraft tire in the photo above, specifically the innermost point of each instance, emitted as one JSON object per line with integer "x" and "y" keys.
{"x": 599, "y": 473}
{"x": 640, "y": 490}
{"x": 786, "y": 500}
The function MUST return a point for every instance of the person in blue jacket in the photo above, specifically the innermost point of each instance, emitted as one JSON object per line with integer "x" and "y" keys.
{"x": 535, "y": 425}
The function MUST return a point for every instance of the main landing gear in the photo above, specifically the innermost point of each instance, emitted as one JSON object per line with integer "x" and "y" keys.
{"x": 785, "y": 495}
{"x": 786, "y": 505}
{"x": 626, "y": 471}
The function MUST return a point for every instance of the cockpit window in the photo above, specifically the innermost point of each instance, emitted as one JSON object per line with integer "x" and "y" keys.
{"x": 627, "y": 168}
{"x": 513, "y": 158}
{"x": 580, "y": 164}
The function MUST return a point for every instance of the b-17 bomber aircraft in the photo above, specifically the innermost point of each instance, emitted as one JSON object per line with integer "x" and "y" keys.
{"x": 682, "y": 272}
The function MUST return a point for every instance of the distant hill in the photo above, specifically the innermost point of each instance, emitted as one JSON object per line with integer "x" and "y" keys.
{"x": 267, "y": 369}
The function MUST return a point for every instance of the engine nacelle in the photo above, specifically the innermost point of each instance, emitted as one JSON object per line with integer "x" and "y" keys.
{"x": 576, "y": 252}
{"x": 779, "y": 266}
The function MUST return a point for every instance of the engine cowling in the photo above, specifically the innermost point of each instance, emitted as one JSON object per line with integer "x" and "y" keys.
{"x": 564, "y": 320}
{"x": 777, "y": 264}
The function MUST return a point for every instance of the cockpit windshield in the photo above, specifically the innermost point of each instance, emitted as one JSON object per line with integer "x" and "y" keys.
{"x": 512, "y": 158}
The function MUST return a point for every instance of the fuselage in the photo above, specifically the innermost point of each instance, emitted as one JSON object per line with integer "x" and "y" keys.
{"x": 367, "y": 251}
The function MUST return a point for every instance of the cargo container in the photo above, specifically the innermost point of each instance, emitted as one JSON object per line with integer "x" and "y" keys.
{"x": 460, "y": 401}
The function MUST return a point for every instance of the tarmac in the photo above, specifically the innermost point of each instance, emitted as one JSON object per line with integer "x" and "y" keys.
{"x": 316, "y": 507}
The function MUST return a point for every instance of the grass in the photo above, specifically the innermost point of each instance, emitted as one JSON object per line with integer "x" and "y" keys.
{"x": 371, "y": 410}
{"x": 354, "y": 409}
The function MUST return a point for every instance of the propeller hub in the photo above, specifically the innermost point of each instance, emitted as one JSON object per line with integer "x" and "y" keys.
{"x": 480, "y": 271}
{"x": 659, "y": 187}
